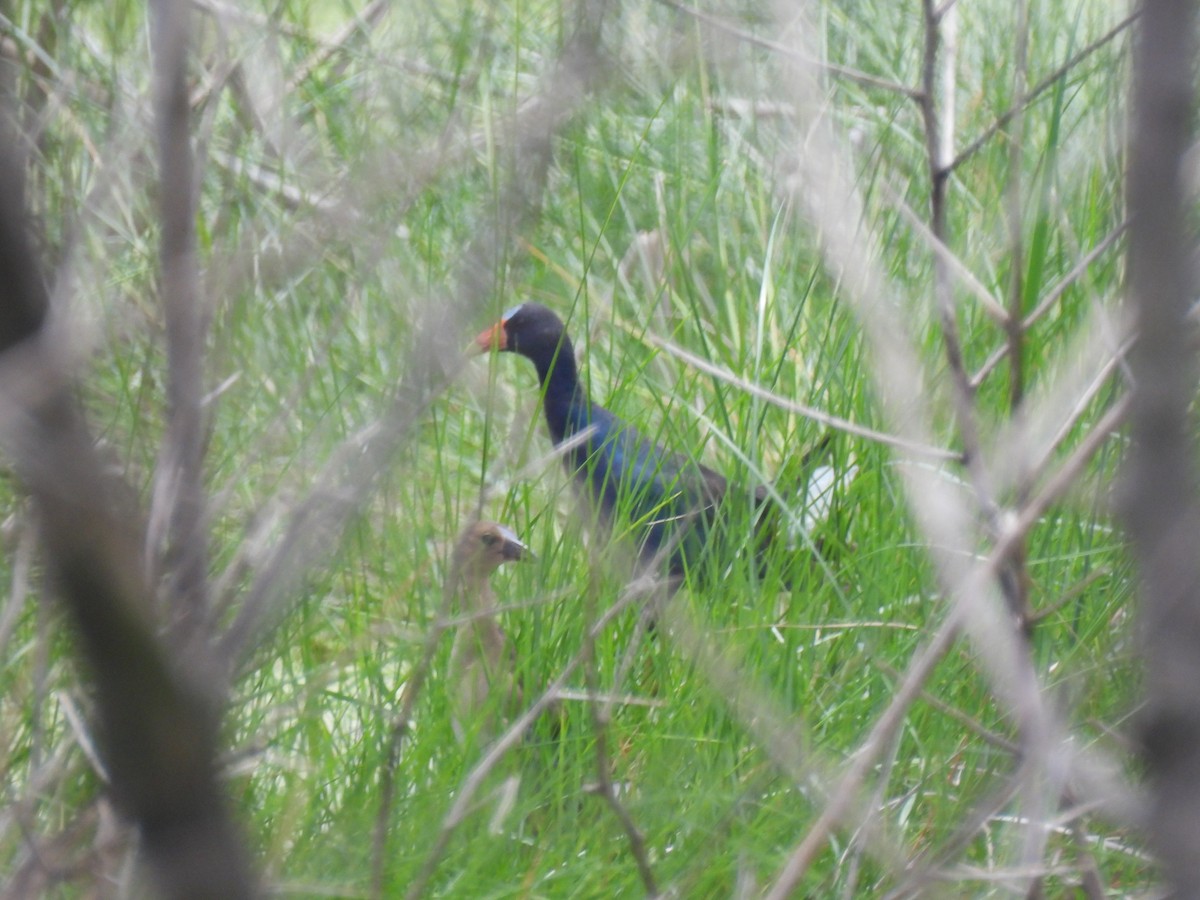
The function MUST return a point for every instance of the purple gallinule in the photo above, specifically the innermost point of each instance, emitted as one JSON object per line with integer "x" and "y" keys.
{"x": 672, "y": 504}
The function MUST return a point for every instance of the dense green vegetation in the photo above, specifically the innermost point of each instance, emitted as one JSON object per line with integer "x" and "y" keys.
{"x": 346, "y": 202}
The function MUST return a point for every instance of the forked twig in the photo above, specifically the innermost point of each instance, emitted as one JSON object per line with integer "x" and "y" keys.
{"x": 942, "y": 516}
{"x": 1013, "y": 579}
{"x": 601, "y": 720}
{"x": 178, "y": 522}
{"x": 1034, "y": 93}
{"x": 1052, "y": 297}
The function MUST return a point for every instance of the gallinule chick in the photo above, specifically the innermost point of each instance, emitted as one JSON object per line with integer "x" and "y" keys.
{"x": 671, "y": 502}
{"x": 481, "y": 660}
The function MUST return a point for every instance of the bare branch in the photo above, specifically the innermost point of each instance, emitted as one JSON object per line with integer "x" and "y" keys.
{"x": 1162, "y": 503}
{"x": 600, "y": 723}
{"x": 826, "y": 190}
{"x": 967, "y": 721}
{"x": 955, "y": 266}
{"x": 1072, "y": 594}
{"x": 808, "y": 412}
{"x": 927, "y": 868}
{"x": 315, "y": 523}
{"x": 19, "y": 591}
{"x": 178, "y": 513}
{"x": 782, "y": 738}
{"x": 158, "y": 729}
{"x": 1040, "y": 88}
{"x": 1014, "y": 578}
{"x": 1051, "y": 298}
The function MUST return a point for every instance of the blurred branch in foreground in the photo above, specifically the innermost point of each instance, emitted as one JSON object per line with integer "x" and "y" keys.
{"x": 1162, "y": 507}
{"x": 158, "y": 729}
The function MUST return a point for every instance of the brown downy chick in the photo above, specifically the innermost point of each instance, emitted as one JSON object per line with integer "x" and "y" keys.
{"x": 481, "y": 661}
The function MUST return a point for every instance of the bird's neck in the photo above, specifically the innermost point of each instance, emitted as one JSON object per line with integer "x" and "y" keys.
{"x": 563, "y": 397}
{"x": 475, "y": 594}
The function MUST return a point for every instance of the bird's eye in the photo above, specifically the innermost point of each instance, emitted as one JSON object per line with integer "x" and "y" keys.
{"x": 488, "y": 538}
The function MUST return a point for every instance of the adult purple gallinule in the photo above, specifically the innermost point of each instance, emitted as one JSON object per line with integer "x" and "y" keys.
{"x": 672, "y": 504}
{"x": 481, "y": 660}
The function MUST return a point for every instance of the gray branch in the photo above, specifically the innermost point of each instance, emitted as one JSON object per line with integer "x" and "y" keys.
{"x": 1162, "y": 505}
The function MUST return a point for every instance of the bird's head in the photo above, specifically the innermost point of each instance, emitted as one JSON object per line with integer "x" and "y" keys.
{"x": 530, "y": 329}
{"x": 485, "y": 546}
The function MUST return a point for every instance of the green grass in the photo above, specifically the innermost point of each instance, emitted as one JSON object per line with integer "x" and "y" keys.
{"x": 314, "y": 320}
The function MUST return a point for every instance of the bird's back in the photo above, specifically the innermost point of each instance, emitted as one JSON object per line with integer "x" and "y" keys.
{"x": 665, "y": 498}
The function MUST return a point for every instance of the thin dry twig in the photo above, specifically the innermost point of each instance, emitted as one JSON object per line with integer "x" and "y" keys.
{"x": 368, "y": 17}
{"x": 809, "y": 412}
{"x": 1036, "y": 91}
{"x": 1091, "y": 880}
{"x": 601, "y": 720}
{"x": 882, "y": 734}
{"x": 1014, "y": 327}
{"x": 859, "y": 847}
{"x": 946, "y": 7}
{"x": 923, "y": 663}
{"x": 1073, "y": 593}
{"x": 1056, "y": 292}
{"x": 19, "y": 589}
{"x": 1043, "y": 449}
{"x": 1061, "y": 481}
{"x": 775, "y": 728}
{"x": 850, "y": 74}
{"x": 1068, "y": 473}
{"x": 987, "y": 735}
{"x": 955, "y": 266}
{"x": 234, "y": 12}
{"x": 345, "y": 482}
{"x": 921, "y": 872}
{"x": 37, "y": 100}
{"x": 519, "y": 139}
{"x": 1051, "y": 298}
{"x": 66, "y": 856}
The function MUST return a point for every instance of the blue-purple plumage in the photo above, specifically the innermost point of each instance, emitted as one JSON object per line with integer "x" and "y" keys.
{"x": 669, "y": 500}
